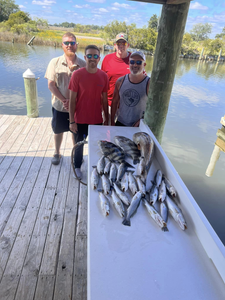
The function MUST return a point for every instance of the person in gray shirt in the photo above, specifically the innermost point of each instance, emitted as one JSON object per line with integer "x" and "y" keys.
{"x": 131, "y": 93}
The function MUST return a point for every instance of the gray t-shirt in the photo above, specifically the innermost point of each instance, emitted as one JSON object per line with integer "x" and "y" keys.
{"x": 133, "y": 98}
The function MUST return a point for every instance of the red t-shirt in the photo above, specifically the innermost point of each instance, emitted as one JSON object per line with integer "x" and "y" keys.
{"x": 89, "y": 88}
{"x": 114, "y": 67}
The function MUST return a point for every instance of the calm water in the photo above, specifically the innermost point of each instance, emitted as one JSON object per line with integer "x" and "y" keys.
{"x": 196, "y": 107}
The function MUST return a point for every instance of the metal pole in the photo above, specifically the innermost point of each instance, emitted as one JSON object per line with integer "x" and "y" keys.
{"x": 31, "y": 94}
{"x": 170, "y": 35}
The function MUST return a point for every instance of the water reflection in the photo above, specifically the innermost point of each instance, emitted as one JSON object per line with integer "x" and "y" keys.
{"x": 196, "y": 105}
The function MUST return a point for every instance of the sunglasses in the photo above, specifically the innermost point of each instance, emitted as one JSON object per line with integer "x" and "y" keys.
{"x": 138, "y": 62}
{"x": 69, "y": 43}
{"x": 121, "y": 43}
{"x": 95, "y": 56}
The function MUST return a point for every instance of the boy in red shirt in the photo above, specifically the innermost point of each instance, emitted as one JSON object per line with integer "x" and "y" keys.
{"x": 88, "y": 96}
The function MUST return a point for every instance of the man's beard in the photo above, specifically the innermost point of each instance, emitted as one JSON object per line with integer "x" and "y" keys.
{"x": 136, "y": 72}
{"x": 69, "y": 53}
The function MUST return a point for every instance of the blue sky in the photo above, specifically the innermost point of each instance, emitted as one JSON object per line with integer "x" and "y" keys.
{"x": 101, "y": 12}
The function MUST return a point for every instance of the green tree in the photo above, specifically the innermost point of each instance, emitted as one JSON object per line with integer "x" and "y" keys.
{"x": 153, "y": 22}
{"x": 200, "y": 32}
{"x": 41, "y": 22}
{"x": 115, "y": 27}
{"x": 222, "y": 34}
{"x": 7, "y": 7}
{"x": 143, "y": 38}
{"x": 19, "y": 17}
{"x": 212, "y": 47}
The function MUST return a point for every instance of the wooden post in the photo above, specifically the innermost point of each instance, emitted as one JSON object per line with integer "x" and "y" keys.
{"x": 31, "y": 41}
{"x": 201, "y": 55}
{"x": 31, "y": 94}
{"x": 170, "y": 35}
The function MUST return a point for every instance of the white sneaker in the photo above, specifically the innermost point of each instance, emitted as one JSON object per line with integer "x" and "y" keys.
{"x": 78, "y": 173}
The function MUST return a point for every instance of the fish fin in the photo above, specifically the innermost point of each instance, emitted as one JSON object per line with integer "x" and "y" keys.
{"x": 136, "y": 161}
{"x": 127, "y": 165}
{"x": 126, "y": 222}
{"x": 165, "y": 229}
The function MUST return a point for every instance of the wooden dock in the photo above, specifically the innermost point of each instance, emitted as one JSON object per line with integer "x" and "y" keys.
{"x": 43, "y": 215}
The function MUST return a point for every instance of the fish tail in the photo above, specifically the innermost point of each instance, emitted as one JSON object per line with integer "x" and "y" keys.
{"x": 165, "y": 229}
{"x": 126, "y": 222}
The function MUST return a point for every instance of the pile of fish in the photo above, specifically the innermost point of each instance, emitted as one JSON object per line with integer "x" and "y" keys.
{"x": 128, "y": 190}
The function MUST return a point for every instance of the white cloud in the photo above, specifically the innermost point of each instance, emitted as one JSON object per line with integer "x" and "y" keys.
{"x": 44, "y": 2}
{"x": 21, "y": 6}
{"x": 184, "y": 154}
{"x": 123, "y": 5}
{"x": 103, "y": 10}
{"x": 197, "y": 5}
{"x": 196, "y": 96}
{"x": 114, "y": 8}
{"x": 82, "y": 6}
{"x": 96, "y": 1}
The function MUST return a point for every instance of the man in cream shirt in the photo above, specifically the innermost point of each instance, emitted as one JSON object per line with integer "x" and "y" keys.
{"x": 58, "y": 73}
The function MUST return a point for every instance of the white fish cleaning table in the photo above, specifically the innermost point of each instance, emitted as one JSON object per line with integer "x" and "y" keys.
{"x": 141, "y": 261}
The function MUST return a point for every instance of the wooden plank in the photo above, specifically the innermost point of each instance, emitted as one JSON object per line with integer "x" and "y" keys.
{"x": 17, "y": 213}
{"x": 7, "y": 126}
{"x": 45, "y": 287}
{"x": 8, "y": 286}
{"x": 64, "y": 277}
{"x": 34, "y": 255}
{"x": 9, "y": 150}
{"x": 13, "y": 180}
{"x": 175, "y": 2}
{"x": 82, "y": 212}
{"x": 221, "y": 144}
{"x": 17, "y": 255}
{"x": 80, "y": 269}
{"x": 3, "y": 119}
{"x": 50, "y": 256}
{"x": 10, "y": 135}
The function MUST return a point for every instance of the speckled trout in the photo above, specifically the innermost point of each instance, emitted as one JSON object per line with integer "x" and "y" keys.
{"x": 135, "y": 202}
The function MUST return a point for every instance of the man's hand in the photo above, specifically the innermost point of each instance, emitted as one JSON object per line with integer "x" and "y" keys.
{"x": 66, "y": 103}
{"x": 73, "y": 127}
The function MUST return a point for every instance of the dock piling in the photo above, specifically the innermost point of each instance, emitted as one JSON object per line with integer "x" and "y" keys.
{"x": 31, "y": 94}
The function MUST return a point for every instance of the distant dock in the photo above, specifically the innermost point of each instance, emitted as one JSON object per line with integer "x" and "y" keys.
{"x": 43, "y": 215}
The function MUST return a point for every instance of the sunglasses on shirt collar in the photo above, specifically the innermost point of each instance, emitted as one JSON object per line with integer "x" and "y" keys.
{"x": 138, "y": 62}
{"x": 95, "y": 56}
{"x": 69, "y": 43}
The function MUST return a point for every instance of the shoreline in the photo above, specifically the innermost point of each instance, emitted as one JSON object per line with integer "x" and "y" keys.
{"x": 54, "y": 41}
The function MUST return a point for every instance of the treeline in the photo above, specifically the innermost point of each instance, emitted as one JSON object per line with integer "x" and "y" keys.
{"x": 80, "y": 28}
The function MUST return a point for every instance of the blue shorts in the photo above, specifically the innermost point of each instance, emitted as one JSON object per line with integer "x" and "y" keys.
{"x": 60, "y": 121}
